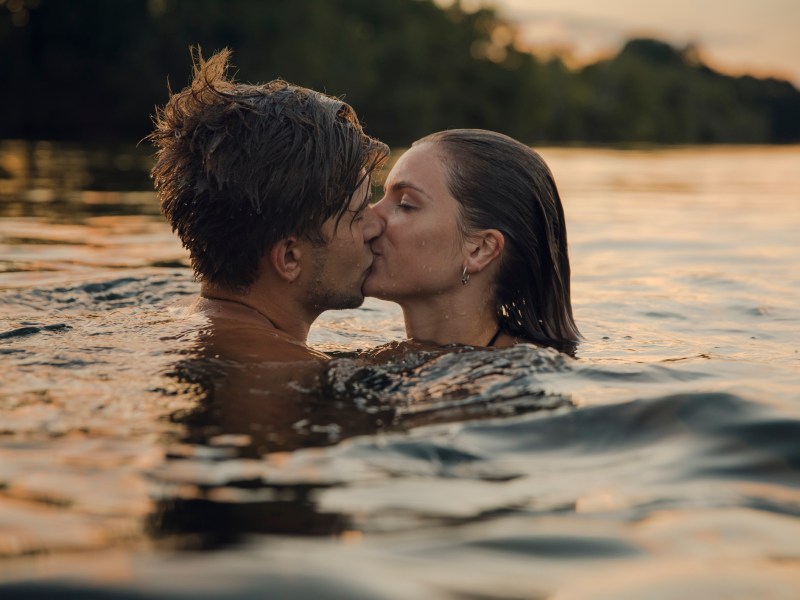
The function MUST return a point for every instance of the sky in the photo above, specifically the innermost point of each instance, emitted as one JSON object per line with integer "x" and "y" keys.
{"x": 759, "y": 37}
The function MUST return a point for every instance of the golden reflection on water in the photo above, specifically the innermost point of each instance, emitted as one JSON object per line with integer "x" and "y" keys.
{"x": 685, "y": 278}
{"x": 45, "y": 172}
{"x": 36, "y": 253}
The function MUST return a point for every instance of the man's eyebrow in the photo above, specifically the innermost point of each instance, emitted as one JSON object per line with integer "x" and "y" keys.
{"x": 399, "y": 185}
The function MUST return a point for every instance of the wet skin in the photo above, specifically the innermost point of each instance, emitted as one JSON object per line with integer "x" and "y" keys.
{"x": 269, "y": 321}
{"x": 420, "y": 252}
{"x": 341, "y": 266}
{"x": 423, "y": 252}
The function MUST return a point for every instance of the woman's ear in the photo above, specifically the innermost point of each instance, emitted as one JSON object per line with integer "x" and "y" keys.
{"x": 484, "y": 247}
{"x": 285, "y": 257}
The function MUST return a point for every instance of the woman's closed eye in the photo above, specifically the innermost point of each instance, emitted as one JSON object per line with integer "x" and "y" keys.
{"x": 405, "y": 205}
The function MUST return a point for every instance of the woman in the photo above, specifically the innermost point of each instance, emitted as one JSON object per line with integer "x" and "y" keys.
{"x": 475, "y": 246}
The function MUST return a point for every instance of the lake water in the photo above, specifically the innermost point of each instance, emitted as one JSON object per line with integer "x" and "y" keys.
{"x": 662, "y": 462}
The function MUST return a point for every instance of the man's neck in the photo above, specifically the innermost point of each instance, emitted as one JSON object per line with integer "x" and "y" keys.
{"x": 275, "y": 310}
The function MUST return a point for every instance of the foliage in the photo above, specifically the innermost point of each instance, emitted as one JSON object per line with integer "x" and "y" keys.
{"x": 94, "y": 69}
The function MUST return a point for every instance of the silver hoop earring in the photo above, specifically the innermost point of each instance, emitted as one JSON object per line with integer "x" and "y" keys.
{"x": 464, "y": 276}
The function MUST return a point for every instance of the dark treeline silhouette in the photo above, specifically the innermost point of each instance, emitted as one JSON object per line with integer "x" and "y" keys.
{"x": 95, "y": 69}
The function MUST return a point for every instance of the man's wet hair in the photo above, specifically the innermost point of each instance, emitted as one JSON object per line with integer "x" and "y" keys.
{"x": 502, "y": 184}
{"x": 240, "y": 167}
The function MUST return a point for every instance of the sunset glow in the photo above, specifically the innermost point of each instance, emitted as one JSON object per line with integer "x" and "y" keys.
{"x": 736, "y": 37}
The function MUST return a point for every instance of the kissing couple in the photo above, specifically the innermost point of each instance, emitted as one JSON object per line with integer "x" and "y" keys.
{"x": 269, "y": 188}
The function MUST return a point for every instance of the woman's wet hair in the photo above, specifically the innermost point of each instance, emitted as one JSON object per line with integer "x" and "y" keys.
{"x": 240, "y": 167}
{"x": 502, "y": 184}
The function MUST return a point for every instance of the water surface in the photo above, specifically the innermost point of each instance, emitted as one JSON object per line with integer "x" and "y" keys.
{"x": 662, "y": 462}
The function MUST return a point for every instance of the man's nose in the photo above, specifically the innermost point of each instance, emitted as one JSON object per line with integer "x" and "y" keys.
{"x": 374, "y": 225}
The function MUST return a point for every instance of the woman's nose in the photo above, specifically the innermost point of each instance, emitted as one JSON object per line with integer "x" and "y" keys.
{"x": 379, "y": 207}
{"x": 374, "y": 224}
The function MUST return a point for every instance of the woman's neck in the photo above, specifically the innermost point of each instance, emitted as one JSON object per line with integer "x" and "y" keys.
{"x": 447, "y": 320}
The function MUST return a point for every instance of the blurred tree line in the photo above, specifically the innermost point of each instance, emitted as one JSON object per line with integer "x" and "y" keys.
{"x": 95, "y": 69}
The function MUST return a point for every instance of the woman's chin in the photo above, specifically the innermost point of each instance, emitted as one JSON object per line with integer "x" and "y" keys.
{"x": 370, "y": 288}
{"x": 373, "y": 288}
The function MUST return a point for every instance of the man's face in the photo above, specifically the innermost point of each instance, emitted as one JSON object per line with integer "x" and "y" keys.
{"x": 339, "y": 268}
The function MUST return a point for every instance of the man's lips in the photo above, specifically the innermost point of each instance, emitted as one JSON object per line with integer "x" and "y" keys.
{"x": 374, "y": 250}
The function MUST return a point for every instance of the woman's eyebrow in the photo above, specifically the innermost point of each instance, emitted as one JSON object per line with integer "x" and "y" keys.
{"x": 399, "y": 185}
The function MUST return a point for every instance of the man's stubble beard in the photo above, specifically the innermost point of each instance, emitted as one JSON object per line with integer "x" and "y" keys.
{"x": 324, "y": 296}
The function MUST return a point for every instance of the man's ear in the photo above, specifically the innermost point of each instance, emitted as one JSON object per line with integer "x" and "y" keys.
{"x": 483, "y": 248}
{"x": 285, "y": 257}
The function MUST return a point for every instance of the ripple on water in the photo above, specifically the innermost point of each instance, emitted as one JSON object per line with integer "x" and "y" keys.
{"x": 106, "y": 295}
{"x": 646, "y": 469}
{"x": 30, "y": 329}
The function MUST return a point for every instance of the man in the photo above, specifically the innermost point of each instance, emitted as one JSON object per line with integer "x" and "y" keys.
{"x": 267, "y": 187}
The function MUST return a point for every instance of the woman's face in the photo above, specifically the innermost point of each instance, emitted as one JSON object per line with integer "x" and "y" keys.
{"x": 420, "y": 252}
